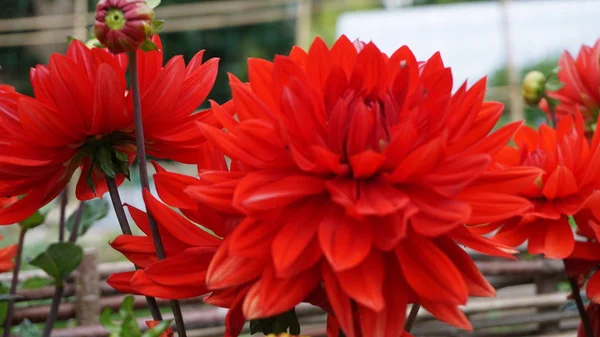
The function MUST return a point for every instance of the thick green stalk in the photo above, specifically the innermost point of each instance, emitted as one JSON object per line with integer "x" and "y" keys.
{"x": 141, "y": 155}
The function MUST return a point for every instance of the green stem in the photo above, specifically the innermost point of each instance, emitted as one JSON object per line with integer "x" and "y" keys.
{"x": 115, "y": 197}
{"x": 412, "y": 316}
{"x": 58, "y": 292}
{"x": 141, "y": 155}
{"x": 13, "y": 283}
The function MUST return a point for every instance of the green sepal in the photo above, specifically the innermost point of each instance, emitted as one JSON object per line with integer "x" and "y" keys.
{"x": 148, "y": 46}
{"x": 33, "y": 220}
{"x": 153, "y": 3}
{"x": 157, "y": 26}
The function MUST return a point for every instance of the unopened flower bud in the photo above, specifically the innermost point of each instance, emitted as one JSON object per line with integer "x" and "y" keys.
{"x": 533, "y": 87}
{"x": 123, "y": 25}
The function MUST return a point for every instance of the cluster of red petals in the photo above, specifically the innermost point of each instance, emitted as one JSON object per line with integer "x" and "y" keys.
{"x": 167, "y": 333}
{"x": 583, "y": 262}
{"x": 357, "y": 174}
{"x": 571, "y": 173}
{"x": 188, "y": 247}
{"x": 80, "y": 98}
{"x": 581, "y": 79}
{"x": 7, "y": 254}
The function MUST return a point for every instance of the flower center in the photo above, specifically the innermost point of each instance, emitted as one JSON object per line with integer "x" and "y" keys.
{"x": 115, "y": 19}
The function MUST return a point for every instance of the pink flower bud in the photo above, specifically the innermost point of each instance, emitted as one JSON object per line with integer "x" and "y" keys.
{"x": 123, "y": 25}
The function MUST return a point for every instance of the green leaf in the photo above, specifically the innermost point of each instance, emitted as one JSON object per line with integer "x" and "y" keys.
{"x": 127, "y": 306}
{"x": 33, "y": 221}
{"x": 107, "y": 323}
{"x": 36, "y": 283}
{"x": 148, "y": 46}
{"x": 555, "y": 70}
{"x": 157, "y": 26}
{"x": 93, "y": 211}
{"x": 27, "y": 329}
{"x": 153, "y": 3}
{"x": 157, "y": 330}
{"x": 59, "y": 260}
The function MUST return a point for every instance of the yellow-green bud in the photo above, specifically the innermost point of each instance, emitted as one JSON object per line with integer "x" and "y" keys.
{"x": 533, "y": 87}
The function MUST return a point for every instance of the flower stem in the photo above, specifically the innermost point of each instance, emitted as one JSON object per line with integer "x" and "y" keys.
{"x": 58, "y": 292}
{"x": 585, "y": 320}
{"x": 14, "y": 282}
{"x": 412, "y": 316}
{"x": 141, "y": 155}
{"x": 115, "y": 197}
{"x": 64, "y": 200}
{"x": 76, "y": 223}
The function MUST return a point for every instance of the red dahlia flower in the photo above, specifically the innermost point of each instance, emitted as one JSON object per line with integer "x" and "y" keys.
{"x": 123, "y": 25}
{"x": 81, "y": 117}
{"x": 361, "y": 171}
{"x": 581, "y": 78}
{"x": 570, "y": 176}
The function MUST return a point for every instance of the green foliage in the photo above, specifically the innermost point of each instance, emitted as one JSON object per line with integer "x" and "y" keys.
{"x": 124, "y": 323}
{"x": 59, "y": 260}
{"x": 36, "y": 283}
{"x": 93, "y": 210}
{"x": 27, "y": 329}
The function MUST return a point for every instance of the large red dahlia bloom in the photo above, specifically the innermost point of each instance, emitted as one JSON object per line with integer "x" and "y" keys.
{"x": 570, "y": 177}
{"x": 581, "y": 79}
{"x": 362, "y": 170}
{"x": 81, "y": 117}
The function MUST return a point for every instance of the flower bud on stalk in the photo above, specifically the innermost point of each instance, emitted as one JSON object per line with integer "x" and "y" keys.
{"x": 123, "y": 25}
{"x": 533, "y": 87}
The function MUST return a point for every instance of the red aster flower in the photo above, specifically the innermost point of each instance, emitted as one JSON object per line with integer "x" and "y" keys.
{"x": 581, "y": 78}
{"x": 81, "y": 117}
{"x": 570, "y": 166}
{"x": 362, "y": 170}
{"x": 123, "y": 25}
